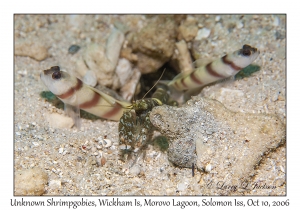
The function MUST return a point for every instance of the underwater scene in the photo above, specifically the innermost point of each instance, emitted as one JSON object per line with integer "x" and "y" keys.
{"x": 185, "y": 104}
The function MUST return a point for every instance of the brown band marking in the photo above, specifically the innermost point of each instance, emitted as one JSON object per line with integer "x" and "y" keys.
{"x": 230, "y": 63}
{"x": 177, "y": 85}
{"x": 210, "y": 70}
{"x": 195, "y": 79}
{"x": 91, "y": 103}
{"x": 72, "y": 90}
{"x": 183, "y": 83}
{"x": 113, "y": 111}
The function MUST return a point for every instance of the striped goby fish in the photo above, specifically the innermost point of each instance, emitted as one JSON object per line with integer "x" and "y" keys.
{"x": 224, "y": 67}
{"x": 72, "y": 91}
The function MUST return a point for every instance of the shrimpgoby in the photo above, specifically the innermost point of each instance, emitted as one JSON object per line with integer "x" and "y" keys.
{"x": 72, "y": 91}
{"x": 224, "y": 67}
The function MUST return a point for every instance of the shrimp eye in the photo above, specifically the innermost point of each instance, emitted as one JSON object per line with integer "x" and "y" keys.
{"x": 246, "y": 52}
{"x": 56, "y": 75}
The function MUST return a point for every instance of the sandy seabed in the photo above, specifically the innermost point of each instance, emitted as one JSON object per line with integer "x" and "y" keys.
{"x": 72, "y": 159}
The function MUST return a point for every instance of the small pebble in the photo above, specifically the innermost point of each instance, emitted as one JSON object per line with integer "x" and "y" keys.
{"x": 106, "y": 143}
{"x": 181, "y": 187}
{"x": 200, "y": 25}
{"x": 217, "y": 18}
{"x": 280, "y": 98}
{"x": 56, "y": 120}
{"x": 169, "y": 191}
{"x": 276, "y": 21}
{"x": 55, "y": 184}
{"x": 202, "y": 33}
{"x": 90, "y": 78}
{"x": 282, "y": 169}
{"x": 22, "y": 73}
{"x": 103, "y": 161}
{"x": 73, "y": 49}
{"x": 123, "y": 147}
{"x": 208, "y": 167}
{"x": 61, "y": 150}
{"x": 239, "y": 25}
{"x": 275, "y": 96}
{"x": 209, "y": 132}
{"x": 35, "y": 144}
{"x": 124, "y": 70}
{"x": 135, "y": 170}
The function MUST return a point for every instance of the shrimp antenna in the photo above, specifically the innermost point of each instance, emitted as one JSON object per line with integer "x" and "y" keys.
{"x": 155, "y": 83}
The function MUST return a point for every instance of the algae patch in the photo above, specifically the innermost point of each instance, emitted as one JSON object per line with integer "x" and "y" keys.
{"x": 247, "y": 71}
{"x": 161, "y": 142}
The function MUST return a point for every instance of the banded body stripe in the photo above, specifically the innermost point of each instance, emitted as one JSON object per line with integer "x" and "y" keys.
{"x": 72, "y": 91}
{"x": 224, "y": 67}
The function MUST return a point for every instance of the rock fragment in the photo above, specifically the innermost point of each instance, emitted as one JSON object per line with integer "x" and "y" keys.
{"x": 90, "y": 78}
{"x": 102, "y": 59}
{"x": 33, "y": 49}
{"x": 130, "y": 88}
{"x": 219, "y": 141}
{"x": 154, "y": 44}
{"x": 124, "y": 71}
{"x": 188, "y": 29}
{"x": 135, "y": 170}
{"x": 73, "y": 49}
{"x": 181, "y": 186}
{"x": 30, "y": 182}
{"x": 203, "y": 33}
{"x": 181, "y": 59}
{"x": 59, "y": 121}
{"x": 55, "y": 184}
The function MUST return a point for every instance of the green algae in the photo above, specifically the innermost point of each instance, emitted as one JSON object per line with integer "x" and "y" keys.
{"x": 161, "y": 142}
{"x": 247, "y": 71}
